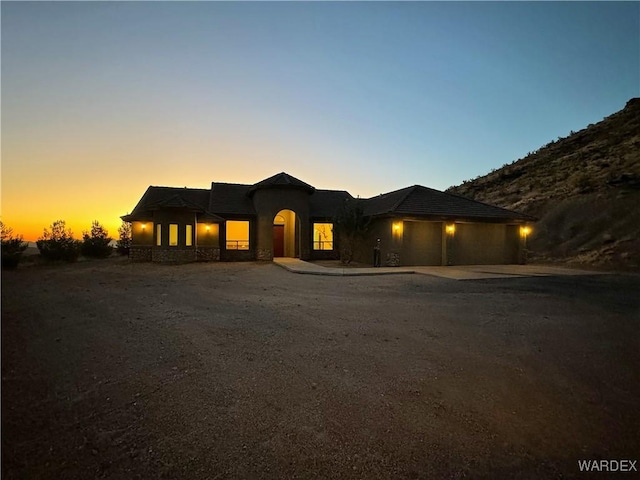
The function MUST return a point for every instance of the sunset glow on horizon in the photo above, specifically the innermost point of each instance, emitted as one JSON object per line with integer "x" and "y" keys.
{"x": 101, "y": 100}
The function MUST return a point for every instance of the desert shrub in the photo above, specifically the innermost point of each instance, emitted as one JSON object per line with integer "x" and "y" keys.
{"x": 58, "y": 244}
{"x": 124, "y": 241}
{"x": 95, "y": 244}
{"x": 12, "y": 247}
{"x": 583, "y": 182}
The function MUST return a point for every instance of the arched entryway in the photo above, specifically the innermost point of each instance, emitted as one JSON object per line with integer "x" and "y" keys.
{"x": 286, "y": 234}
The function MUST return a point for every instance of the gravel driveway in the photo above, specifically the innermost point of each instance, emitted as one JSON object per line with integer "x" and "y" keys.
{"x": 204, "y": 371}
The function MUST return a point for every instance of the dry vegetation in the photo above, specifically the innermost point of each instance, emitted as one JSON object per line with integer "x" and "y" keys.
{"x": 585, "y": 190}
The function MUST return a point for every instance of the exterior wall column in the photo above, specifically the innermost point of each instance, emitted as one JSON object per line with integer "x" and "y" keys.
{"x": 305, "y": 234}
{"x": 444, "y": 260}
{"x": 264, "y": 237}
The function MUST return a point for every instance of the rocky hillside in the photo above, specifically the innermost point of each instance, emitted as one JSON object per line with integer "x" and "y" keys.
{"x": 585, "y": 190}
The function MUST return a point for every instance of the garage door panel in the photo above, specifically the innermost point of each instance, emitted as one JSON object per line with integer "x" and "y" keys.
{"x": 422, "y": 243}
{"x": 485, "y": 244}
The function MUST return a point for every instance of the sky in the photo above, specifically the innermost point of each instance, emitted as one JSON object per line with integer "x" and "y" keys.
{"x": 102, "y": 99}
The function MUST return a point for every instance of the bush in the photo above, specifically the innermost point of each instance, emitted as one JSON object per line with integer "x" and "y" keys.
{"x": 12, "y": 247}
{"x": 123, "y": 244}
{"x": 59, "y": 244}
{"x": 583, "y": 182}
{"x": 350, "y": 226}
{"x": 96, "y": 244}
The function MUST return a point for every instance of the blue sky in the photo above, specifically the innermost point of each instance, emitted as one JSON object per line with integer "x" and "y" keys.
{"x": 367, "y": 96}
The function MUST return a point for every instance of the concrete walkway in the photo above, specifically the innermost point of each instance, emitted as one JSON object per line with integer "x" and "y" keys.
{"x": 458, "y": 272}
{"x": 296, "y": 265}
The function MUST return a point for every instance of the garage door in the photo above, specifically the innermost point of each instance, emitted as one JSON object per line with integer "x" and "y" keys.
{"x": 485, "y": 244}
{"x": 421, "y": 243}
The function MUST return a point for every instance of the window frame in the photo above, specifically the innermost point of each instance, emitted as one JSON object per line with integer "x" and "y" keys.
{"x": 188, "y": 235}
{"x": 240, "y": 244}
{"x": 174, "y": 239}
{"x": 321, "y": 243}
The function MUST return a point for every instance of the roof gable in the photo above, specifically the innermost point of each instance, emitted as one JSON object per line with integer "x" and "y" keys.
{"x": 155, "y": 198}
{"x": 282, "y": 180}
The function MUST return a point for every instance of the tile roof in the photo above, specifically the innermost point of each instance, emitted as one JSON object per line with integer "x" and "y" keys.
{"x": 326, "y": 203}
{"x": 234, "y": 199}
{"x": 194, "y": 199}
{"x": 281, "y": 180}
{"x": 421, "y": 201}
{"x": 230, "y": 199}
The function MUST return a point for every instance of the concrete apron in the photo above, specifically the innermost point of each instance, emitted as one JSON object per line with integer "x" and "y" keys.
{"x": 296, "y": 265}
{"x": 459, "y": 272}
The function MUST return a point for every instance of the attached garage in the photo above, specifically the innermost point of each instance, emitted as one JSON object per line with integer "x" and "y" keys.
{"x": 422, "y": 226}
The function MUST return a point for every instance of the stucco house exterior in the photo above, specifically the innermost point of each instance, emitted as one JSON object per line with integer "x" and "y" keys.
{"x": 283, "y": 216}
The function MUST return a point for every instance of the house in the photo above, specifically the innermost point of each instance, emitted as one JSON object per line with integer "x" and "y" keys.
{"x": 283, "y": 216}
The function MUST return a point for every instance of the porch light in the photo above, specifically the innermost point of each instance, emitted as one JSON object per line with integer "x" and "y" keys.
{"x": 144, "y": 225}
{"x": 396, "y": 226}
{"x": 525, "y": 231}
{"x": 451, "y": 228}
{"x": 208, "y": 228}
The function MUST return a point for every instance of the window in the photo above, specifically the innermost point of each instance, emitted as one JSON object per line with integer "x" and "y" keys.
{"x": 237, "y": 235}
{"x": 158, "y": 234}
{"x": 173, "y": 234}
{"x": 323, "y": 236}
{"x": 189, "y": 235}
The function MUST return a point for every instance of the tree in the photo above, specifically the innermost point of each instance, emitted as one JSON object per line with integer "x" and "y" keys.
{"x": 124, "y": 242}
{"x": 12, "y": 247}
{"x": 350, "y": 225}
{"x": 59, "y": 244}
{"x": 97, "y": 243}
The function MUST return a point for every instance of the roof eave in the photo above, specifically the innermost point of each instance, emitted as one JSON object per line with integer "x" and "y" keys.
{"x": 459, "y": 218}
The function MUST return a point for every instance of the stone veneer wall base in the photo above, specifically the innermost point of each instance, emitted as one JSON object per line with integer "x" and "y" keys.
{"x": 174, "y": 255}
{"x": 140, "y": 254}
{"x": 264, "y": 254}
{"x": 208, "y": 254}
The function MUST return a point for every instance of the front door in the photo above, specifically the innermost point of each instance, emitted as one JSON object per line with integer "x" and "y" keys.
{"x": 278, "y": 240}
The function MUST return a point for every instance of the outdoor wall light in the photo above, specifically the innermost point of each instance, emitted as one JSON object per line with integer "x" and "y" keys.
{"x": 524, "y": 231}
{"x": 208, "y": 228}
{"x": 144, "y": 225}
{"x": 451, "y": 228}
{"x": 396, "y": 230}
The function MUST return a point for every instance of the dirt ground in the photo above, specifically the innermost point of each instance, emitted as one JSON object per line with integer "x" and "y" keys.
{"x": 205, "y": 371}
